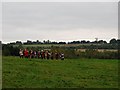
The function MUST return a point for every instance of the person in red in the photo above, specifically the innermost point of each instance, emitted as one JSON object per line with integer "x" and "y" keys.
{"x": 26, "y": 53}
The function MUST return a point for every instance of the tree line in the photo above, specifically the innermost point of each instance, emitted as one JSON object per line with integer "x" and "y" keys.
{"x": 29, "y": 42}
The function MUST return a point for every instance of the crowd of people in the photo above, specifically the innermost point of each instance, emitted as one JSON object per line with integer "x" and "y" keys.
{"x": 43, "y": 54}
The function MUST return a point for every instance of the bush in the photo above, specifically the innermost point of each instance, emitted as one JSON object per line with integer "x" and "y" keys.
{"x": 8, "y": 50}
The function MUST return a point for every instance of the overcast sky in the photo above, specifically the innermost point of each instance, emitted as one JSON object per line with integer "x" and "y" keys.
{"x": 59, "y": 21}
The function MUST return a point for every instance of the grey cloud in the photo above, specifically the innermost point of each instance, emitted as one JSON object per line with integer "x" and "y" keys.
{"x": 66, "y": 17}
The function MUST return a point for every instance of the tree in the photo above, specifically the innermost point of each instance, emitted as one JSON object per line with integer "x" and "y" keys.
{"x": 44, "y": 41}
{"x": 29, "y": 42}
{"x": 48, "y": 41}
{"x": 83, "y": 41}
{"x": 62, "y": 43}
{"x": 118, "y": 41}
{"x": 18, "y": 42}
{"x": 102, "y": 42}
{"x": 113, "y": 41}
{"x": 37, "y": 41}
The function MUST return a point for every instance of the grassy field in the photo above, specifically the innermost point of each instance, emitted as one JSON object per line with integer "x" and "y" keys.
{"x": 79, "y": 73}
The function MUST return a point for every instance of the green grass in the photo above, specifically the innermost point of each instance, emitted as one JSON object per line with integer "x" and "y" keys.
{"x": 81, "y": 73}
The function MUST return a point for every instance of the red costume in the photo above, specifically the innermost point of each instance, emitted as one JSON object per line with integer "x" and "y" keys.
{"x": 26, "y": 53}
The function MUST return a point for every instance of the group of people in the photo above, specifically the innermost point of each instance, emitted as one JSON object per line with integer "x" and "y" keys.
{"x": 43, "y": 54}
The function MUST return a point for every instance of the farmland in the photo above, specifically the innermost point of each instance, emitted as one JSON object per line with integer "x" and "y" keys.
{"x": 79, "y": 47}
{"x": 79, "y": 73}
{"x": 49, "y": 45}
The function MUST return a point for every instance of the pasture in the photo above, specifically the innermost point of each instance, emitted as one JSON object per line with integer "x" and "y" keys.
{"x": 69, "y": 73}
{"x": 49, "y": 45}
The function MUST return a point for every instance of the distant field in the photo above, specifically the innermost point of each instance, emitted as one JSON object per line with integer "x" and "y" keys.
{"x": 81, "y": 73}
{"x": 42, "y": 45}
{"x": 100, "y": 50}
{"x": 49, "y": 45}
